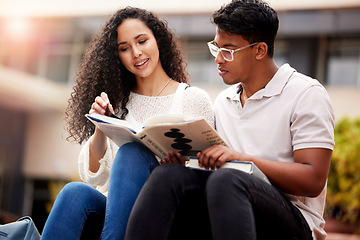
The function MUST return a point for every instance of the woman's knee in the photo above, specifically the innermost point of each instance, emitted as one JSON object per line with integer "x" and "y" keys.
{"x": 77, "y": 192}
{"x": 73, "y": 188}
{"x": 134, "y": 153}
{"x": 132, "y": 148}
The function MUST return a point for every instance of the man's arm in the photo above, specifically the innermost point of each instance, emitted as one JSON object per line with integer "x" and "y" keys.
{"x": 306, "y": 176}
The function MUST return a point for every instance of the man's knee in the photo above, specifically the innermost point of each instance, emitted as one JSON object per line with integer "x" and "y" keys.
{"x": 173, "y": 177}
{"x": 168, "y": 173}
{"x": 226, "y": 180}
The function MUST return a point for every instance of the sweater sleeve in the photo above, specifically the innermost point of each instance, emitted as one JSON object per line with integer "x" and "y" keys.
{"x": 197, "y": 103}
{"x": 101, "y": 177}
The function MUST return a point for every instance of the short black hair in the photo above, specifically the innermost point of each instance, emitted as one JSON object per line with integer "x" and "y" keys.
{"x": 255, "y": 20}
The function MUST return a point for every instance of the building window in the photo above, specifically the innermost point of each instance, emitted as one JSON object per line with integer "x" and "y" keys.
{"x": 343, "y": 64}
{"x": 200, "y": 64}
{"x": 281, "y": 52}
{"x": 58, "y": 68}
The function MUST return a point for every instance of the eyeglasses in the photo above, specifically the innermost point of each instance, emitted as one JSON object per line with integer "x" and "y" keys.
{"x": 227, "y": 54}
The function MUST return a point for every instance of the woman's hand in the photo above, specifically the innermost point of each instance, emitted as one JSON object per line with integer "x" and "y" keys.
{"x": 102, "y": 105}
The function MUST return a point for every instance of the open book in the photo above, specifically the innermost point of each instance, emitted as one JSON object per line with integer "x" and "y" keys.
{"x": 248, "y": 167}
{"x": 161, "y": 134}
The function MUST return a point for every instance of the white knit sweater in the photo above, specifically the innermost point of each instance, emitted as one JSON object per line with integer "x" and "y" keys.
{"x": 190, "y": 101}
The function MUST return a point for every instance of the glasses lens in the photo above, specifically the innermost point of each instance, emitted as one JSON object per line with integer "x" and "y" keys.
{"x": 227, "y": 54}
{"x": 213, "y": 49}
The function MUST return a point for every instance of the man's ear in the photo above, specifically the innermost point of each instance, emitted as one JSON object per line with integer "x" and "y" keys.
{"x": 261, "y": 50}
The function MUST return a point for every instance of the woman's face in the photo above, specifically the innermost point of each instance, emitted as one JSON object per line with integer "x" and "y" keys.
{"x": 138, "y": 49}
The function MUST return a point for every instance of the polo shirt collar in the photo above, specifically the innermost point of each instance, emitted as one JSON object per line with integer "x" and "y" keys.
{"x": 278, "y": 82}
{"x": 273, "y": 88}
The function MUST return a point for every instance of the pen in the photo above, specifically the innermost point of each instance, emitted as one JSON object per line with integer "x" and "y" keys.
{"x": 110, "y": 114}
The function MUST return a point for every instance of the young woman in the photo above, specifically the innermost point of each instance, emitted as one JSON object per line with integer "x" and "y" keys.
{"x": 133, "y": 69}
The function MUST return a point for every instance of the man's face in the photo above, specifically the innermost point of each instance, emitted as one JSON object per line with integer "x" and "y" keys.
{"x": 240, "y": 69}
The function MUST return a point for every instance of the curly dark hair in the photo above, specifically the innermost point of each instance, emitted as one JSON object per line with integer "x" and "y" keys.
{"x": 102, "y": 71}
{"x": 255, "y": 20}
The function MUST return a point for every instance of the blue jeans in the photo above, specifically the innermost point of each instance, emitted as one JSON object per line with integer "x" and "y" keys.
{"x": 181, "y": 203}
{"x": 82, "y": 212}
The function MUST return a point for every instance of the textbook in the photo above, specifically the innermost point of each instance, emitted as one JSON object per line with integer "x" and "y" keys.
{"x": 161, "y": 134}
{"x": 248, "y": 167}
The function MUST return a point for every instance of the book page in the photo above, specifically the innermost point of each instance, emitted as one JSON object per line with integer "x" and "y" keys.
{"x": 120, "y": 135}
{"x": 248, "y": 167}
{"x": 187, "y": 138}
{"x": 110, "y": 120}
{"x": 243, "y": 166}
{"x": 164, "y": 119}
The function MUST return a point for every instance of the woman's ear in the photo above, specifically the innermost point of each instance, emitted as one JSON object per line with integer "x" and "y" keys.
{"x": 261, "y": 50}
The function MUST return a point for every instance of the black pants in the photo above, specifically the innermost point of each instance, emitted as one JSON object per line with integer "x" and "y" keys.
{"x": 181, "y": 203}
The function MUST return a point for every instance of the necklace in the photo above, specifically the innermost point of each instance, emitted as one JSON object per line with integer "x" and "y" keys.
{"x": 163, "y": 87}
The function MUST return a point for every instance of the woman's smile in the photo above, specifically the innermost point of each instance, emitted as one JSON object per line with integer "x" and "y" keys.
{"x": 142, "y": 63}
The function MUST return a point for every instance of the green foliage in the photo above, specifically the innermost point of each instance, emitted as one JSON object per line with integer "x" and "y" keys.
{"x": 343, "y": 191}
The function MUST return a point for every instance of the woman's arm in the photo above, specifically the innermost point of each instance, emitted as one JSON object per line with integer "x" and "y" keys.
{"x": 98, "y": 142}
{"x": 97, "y": 149}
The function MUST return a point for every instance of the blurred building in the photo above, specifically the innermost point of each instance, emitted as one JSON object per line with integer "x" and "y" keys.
{"x": 42, "y": 43}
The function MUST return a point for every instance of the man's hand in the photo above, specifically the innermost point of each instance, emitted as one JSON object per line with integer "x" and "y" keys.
{"x": 174, "y": 158}
{"x": 216, "y": 155}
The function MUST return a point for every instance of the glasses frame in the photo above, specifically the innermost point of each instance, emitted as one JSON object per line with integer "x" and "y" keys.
{"x": 232, "y": 51}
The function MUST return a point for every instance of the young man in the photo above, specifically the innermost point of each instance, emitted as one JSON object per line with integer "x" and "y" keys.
{"x": 277, "y": 118}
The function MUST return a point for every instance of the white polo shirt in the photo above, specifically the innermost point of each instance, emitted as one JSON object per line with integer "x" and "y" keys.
{"x": 291, "y": 112}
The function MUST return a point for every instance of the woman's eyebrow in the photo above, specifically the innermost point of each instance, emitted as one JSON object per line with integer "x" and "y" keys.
{"x": 122, "y": 43}
{"x": 141, "y": 34}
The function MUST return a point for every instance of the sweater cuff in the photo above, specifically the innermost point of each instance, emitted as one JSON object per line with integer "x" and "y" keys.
{"x": 101, "y": 176}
